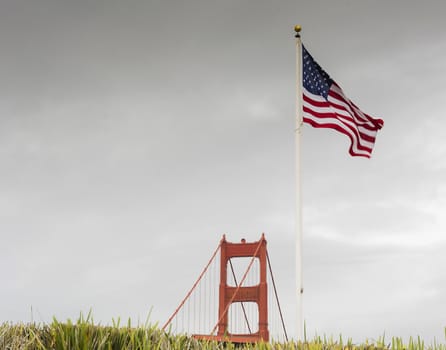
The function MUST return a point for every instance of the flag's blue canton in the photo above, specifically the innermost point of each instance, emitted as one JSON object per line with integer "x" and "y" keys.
{"x": 315, "y": 79}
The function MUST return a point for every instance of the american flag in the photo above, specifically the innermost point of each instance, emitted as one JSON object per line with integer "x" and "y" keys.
{"x": 326, "y": 106}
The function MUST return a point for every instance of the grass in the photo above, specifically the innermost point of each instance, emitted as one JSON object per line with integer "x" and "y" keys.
{"x": 85, "y": 335}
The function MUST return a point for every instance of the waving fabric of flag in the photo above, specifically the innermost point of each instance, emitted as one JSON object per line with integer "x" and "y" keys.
{"x": 326, "y": 106}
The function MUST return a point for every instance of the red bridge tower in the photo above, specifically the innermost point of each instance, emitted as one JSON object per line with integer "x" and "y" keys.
{"x": 239, "y": 294}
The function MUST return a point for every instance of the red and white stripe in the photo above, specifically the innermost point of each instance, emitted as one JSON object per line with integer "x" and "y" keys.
{"x": 341, "y": 114}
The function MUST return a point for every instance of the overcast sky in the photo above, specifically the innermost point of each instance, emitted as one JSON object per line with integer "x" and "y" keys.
{"x": 134, "y": 133}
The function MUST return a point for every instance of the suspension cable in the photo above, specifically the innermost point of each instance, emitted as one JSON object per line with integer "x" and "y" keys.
{"x": 243, "y": 305}
{"x": 277, "y": 296}
{"x": 193, "y": 287}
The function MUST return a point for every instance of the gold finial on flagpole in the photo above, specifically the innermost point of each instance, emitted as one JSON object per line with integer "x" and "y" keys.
{"x": 297, "y": 29}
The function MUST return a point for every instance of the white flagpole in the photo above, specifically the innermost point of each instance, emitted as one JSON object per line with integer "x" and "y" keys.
{"x": 299, "y": 121}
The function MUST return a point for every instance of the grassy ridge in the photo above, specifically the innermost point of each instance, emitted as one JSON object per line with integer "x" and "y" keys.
{"x": 85, "y": 335}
